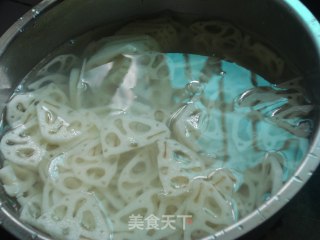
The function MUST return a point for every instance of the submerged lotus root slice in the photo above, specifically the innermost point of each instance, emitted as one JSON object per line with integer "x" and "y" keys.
{"x": 293, "y": 111}
{"x": 120, "y": 68}
{"x": 124, "y": 133}
{"x": 76, "y": 216}
{"x": 266, "y": 59}
{"x": 255, "y": 96}
{"x": 16, "y": 180}
{"x": 246, "y": 198}
{"x": 163, "y": 32}
{"x": 183, "y": 32}
{"x": 155, "y": 81}
{"x": 145, "y": 205}
{"x": 115, "y": 40}
{"x": 145, "y": 110}
{"x": 299, "y": 128}
{"x": 122, "y": 46}
{"x": 52, "y": 94}
{"x": 78, "y": 86}
{"x": 252, "y": 191}
{"x": 114, "y": 201}
{"x": 31, "y": 209}
{"x": 46, "y": 80}
{"x": 58, "y": 123}
{"x": 50, "y": 196}
{"x": 88, "y": 147}
{"x": 270, "y": 101}
{"x": 209, "y": 209}
{"x": 271, "y": 138}
{"x": 105, "y": 80}
{"x": 60, "y": 64}
{"x": 177, "y": 165}
{"x": 184, "y": 124}
{"x": 21, "y": 109}
{"x": 241, "y": 132}
{"x": 67, "y": 182}
{"x": 216, "y": 37}
{"x": 199, "y": 129}
{"x": 132, "y": 180}
{"x": 19, "y": 147}
{"x": 295, "y": 84}
{"x": 97, "y": 173}
{"x": 224, "y": 181}
{"x": 273, "y": 170}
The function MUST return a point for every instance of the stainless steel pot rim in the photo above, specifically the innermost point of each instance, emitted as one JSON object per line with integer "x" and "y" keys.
{"x": 260, "y": 215}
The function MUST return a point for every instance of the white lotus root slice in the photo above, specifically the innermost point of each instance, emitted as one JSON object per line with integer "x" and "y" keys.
{"x": 249, "y": 131}
{"x": 224, "y": 181}
{"x": 268, "y": 100}
{"x": 273, "y": 135}
{"x": 210, "y": 211}
{"x": 19, "y": 147}
{"x": 145, "y": 205}
{"x": 184, "y": 123}
{"x": 21, "y": 109}
{"x": 118, "y": 71}
{"x": 124, "y": 133}
{"x": 301, "y": 128}
{"x": 154, "y": 83}
{"x": 52, "y": 94}
{"x": 295, "y": 84}
{"x": 163, "y": 32}
{"x": 58, "y": 123}
{"x": 114, "y": 201}
{"x": 50, "y": 196}
{"x": 104, "y": 81}
{"x": 182, "y": 30}
{"x": 76, "y": 216}
{"x": 256, "y": 96}
{"x": 132, "y": 180}
{"x": 60, "y": 153}
{"x": 16, "y": 180}
{"x": 272, "y": 171}
{"x": 241, "y": 131}
{"x": 198, "y": 128}
{"x": 169, "y": 209}
{"x": 122, "y": 46}
{"x": 266, "y": 59}
{"x": 96, "y": 46}
{"x": 293, "y": 111}
{"x": 31, "y": 210}
{"x": 283, "y": 109}
{"x": 60, "y": 64}
{"x": 26, "y": 197}
{"x": 253, "y": 192}
{"x": 96, "y": 173}
{"x": 67, "y": 182}
{"x": 216, "y": 37}
{"x": 145, "y": 110}
{"x": 46, "y": 80}
{"x": 90, "y": 147}
{"x": 178, "y": 166}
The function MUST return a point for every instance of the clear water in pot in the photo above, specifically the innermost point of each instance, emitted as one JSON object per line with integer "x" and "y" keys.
{"x": 164, "y": 130}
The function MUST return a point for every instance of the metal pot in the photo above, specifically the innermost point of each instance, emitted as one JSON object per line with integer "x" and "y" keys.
{"x": 287, "y": 24}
